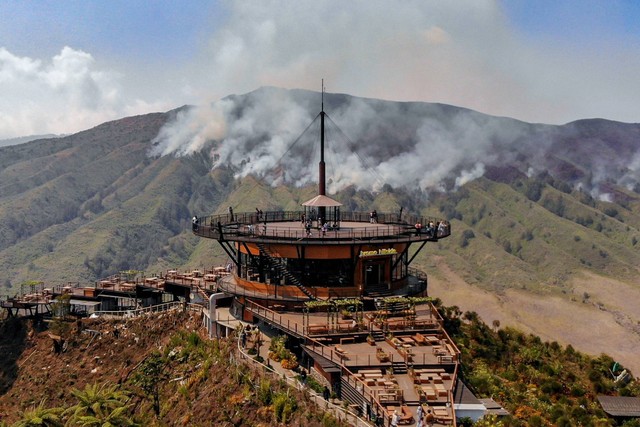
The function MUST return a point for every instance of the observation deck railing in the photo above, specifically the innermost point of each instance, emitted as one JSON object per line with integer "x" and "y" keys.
{"x": 287, "y": 226}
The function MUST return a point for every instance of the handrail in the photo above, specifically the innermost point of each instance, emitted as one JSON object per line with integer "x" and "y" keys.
{"x": 289, "y": 326}
{"x": 358, "y": 421}
{"x": 252, "y": 226}
{"x": 150, "y": 309}
{"x": 228, "y": 286}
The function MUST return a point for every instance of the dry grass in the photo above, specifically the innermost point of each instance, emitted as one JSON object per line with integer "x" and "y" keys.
{"x": 610, "y": 327}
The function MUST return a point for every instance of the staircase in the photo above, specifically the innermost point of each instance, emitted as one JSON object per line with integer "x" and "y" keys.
{"x": 349, "y": 393}
{"x": 377, "y": 335}
{"x": 399, "y": 368}
{"x": 379, "y": 290}
{"x": 275, "y": 263}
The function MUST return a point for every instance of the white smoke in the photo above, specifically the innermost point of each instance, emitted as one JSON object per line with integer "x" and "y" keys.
{"x": 191, "y": 130}
{"x": 260, "y": 134}
{"x": 469, "y": 175}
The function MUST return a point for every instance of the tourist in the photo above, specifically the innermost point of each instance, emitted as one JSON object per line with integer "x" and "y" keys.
{"x": 418, "y": 228}
{"x": 194, "y": 223}
{"x": 395, "y": 418}
{"x": 419, "y": 416}
{"x": 230, "y": 214}
{"x": 430, "y": 418}
{"x": 325, "y": 393}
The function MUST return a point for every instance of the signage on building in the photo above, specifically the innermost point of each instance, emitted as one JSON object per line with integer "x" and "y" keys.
{"x": 378, "y": 252}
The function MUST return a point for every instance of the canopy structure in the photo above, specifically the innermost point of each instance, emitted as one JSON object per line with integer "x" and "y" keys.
{"x": 620, "y": 406}
{"x": 322, "y": 201}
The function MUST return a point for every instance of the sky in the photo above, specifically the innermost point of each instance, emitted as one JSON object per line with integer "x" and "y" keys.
{"x": 68, "y": 66}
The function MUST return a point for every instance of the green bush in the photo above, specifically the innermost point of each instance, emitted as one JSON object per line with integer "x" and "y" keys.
{"x": 283, "y": 406}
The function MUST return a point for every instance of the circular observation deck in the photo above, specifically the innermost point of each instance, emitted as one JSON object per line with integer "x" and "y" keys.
{"x": 352, "y": 227}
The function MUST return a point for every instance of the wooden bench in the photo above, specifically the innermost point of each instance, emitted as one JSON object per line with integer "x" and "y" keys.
{"x": 420, "y": 339}
{"x": 429, "y": 371}
{"x": 443, "y": 416}
{"x": 451, "y": 351}
{"x": 370, "y": 371}
{"x": 440, "y": 389}
{"x": 342, "y": 353}
{"x": 428, "y": 392}
{"x": 405, "y": 416}
{"x": 345, "y": 340}
{"x": 317, "y": 329}
{"x": 372, "y": 375}
{"x": 445, "y": 359}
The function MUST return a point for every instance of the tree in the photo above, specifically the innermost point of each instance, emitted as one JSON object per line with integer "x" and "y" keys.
{"x": 41, "y": 416}
{"x": 149, "y": 376}
{"x": 100, "y": 405}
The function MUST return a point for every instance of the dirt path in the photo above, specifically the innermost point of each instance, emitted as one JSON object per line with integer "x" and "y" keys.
{"x": 604, "y": 320}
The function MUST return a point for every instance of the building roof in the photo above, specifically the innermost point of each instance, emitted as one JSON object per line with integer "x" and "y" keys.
{"x": 322, "y": 201}
{"x": 462, "y": 395}
{"x": 493, "y": 407}
{"x": 620, "y": 406}
{"x": 326, "y": 364}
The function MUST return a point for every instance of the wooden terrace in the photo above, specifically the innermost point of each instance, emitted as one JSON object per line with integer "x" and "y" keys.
{"x": 397, "y": 369}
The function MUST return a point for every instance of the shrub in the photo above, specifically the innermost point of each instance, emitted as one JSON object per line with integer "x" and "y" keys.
{"x": 465, "y": 237}
{"x": 283, "y": 406}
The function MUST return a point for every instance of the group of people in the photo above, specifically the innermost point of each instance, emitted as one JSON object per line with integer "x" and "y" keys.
{"x": 307, "y": 223}
{"x": 432, "y": 230}
{"x": 423, "y": 419}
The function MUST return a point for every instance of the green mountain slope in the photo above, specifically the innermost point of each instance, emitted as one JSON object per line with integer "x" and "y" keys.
{"x": 84, "y": 206}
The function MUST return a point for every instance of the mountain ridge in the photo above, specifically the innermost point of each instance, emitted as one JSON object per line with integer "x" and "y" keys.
{"x": 533, "y": 206}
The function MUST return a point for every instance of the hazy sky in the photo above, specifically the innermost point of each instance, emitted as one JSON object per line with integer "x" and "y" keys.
{"x": 67, "y": 66}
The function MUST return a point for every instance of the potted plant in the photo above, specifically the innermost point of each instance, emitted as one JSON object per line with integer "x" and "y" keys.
{"x": 371, "y": 340}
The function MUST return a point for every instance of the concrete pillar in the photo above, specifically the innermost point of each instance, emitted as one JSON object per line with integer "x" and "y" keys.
{"x": 212, "y": 313}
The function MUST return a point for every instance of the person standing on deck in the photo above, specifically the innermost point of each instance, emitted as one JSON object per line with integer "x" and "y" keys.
{"x": 419, "y": 417}
{"x": 395, "y": 418}
{"x": 429, "y": 418}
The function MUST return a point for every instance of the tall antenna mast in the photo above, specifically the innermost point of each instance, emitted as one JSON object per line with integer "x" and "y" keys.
{"x": 321, "y": 178}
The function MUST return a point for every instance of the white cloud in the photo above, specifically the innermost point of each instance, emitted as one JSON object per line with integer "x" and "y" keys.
{"x": 464, "y": 53}
{"x": 64, "y": 95}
